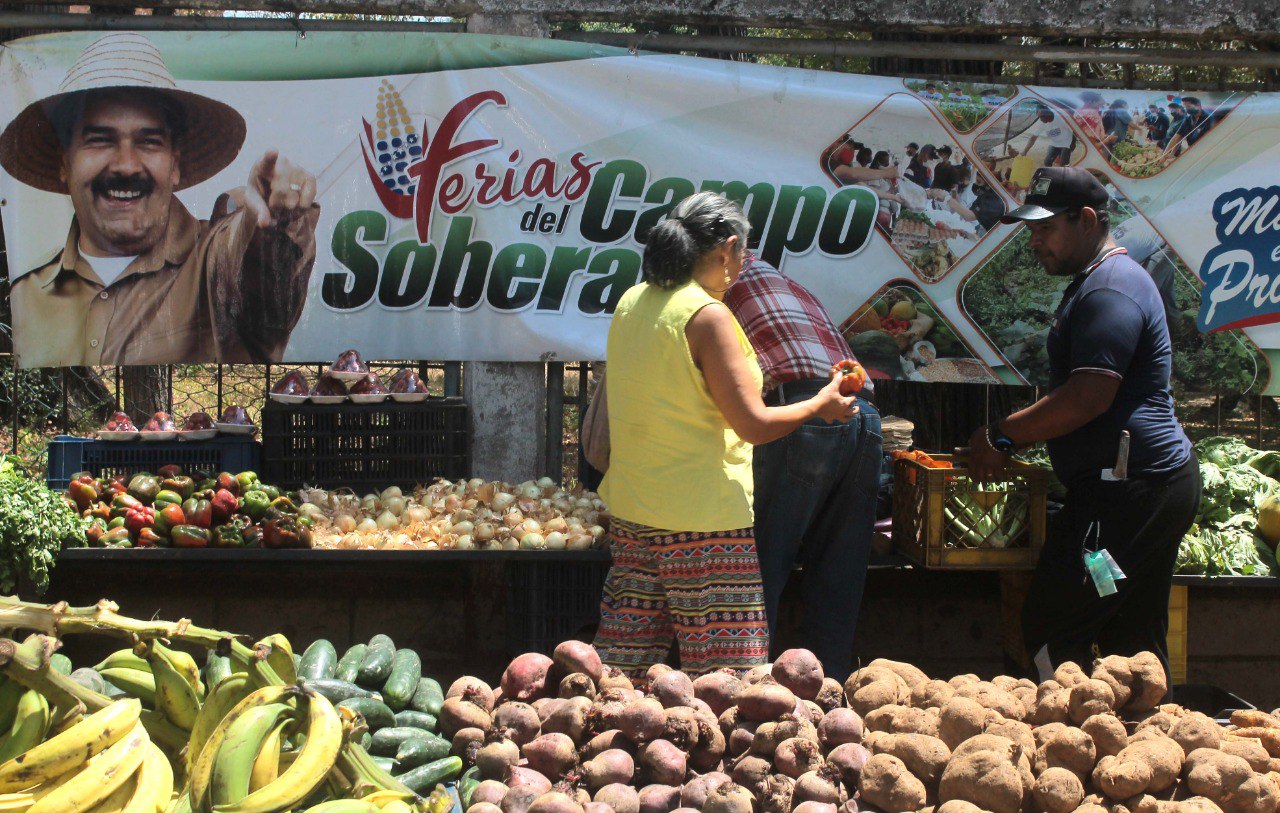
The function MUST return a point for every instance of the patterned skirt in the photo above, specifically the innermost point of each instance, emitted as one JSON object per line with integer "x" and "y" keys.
{"x": 703, "y": 588}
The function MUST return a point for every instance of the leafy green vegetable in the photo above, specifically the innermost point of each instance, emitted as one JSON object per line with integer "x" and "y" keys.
{"x": 1224, "y": 540}
{"x": 35, "y": 523}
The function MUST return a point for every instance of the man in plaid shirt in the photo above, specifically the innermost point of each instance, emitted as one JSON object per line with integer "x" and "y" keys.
{"x": 815, "y": 489}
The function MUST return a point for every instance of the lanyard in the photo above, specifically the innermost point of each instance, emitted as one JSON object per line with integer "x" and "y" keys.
{"x": 1100, "y": 260}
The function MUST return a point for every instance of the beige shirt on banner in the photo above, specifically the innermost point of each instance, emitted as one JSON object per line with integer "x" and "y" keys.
{"x": 217, "y": 290}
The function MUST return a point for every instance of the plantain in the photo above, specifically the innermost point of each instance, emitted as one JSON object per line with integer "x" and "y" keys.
{"x": 154, "y": 785}
{"x": 245, "y": 738}
{"x": 30, "y": 725}
{"x": 133, "y": 682}
{"x": 101, "y": 778}
{"x": 50, "y": 759}
{"x": 266, "y": 765}
{"x": 200, "y": 773}
{"x": 176, "y": 697}
{"x": 221, "y": 700}
{"x": 124, "y": 659}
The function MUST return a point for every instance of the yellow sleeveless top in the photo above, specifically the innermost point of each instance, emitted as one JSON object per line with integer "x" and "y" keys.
{"x": 674, "y": 463}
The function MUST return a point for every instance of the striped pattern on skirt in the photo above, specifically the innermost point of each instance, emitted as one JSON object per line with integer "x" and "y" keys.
{"x": 703, "y": 587}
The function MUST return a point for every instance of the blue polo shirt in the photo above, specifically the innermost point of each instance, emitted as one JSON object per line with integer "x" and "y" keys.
{"x": 1111, "y": 321}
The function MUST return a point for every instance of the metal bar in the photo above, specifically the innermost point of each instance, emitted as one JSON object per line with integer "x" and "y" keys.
{"x": 118, "y": 401}
{"x": 453, "y": 379}
{"x": 928, "y": 50}
{"x": 219, "y": 415}
{"x": 168, "y": 401}
{"x": 1217, "y": 413}
{"x": 66, "y": 410}
{"x": 555, "y": 421}
{"x": 13, "y": 400}
{"x": 130, "y": 22}
{"x": 1258, "y": 420}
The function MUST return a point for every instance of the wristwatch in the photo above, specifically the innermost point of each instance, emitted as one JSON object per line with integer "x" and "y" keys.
{"x": 998, "y": 440}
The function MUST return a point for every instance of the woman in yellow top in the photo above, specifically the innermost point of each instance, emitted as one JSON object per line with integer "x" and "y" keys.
{"x": 684, "y": 409}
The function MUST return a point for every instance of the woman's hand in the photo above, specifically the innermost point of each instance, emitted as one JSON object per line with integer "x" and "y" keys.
{"x": 832, "y": 406}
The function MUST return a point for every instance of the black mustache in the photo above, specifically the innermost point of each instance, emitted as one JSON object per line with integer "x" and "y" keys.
{"x": 123, "y": 183}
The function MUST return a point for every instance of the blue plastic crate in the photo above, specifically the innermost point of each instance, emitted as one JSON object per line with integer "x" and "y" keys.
{"x": 68, "y": 455}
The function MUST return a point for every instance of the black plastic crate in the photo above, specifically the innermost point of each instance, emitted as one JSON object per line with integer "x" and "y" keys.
{"x": 365, "y": 446}
{"x": 69, "y": 455}
{"x": 551, "y": 602}
{"x": 1213, "y": 701}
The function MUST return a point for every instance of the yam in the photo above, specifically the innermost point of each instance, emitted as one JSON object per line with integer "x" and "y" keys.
{"x": 1069, "y": 674}
{"x": 1150, "y": 683}
{"x": 871, "y": 687}
{"x": 1052, "y": 704}
{"x": 1059, "y": 790}
{"x": 992, "y": 697}
{"x": 960, "y": 719}
{"x": 1196, "y": 730}
{"x": 932, "y": 694}
{"x": 895, "y": 719}
{"x": 926, "y": 757}
{"x": 1108, "y": 734}
{"x": 887, "y": 783}
{"x": 958, "y": 806}
{"x": 1070, "y": 748}
{"x": 1251, "y": 751}
{"x": 1269, "y": 737}
{"x": 910, "y": 675}
{"x": 1230, "y": 783}
{"x": 1088, "y": 698}
{"x": 1114, "y": 671}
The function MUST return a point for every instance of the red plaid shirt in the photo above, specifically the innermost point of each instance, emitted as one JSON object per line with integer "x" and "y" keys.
{"x": 790, "y": 330}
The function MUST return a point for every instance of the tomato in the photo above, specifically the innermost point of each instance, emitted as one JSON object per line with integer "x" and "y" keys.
{"x": 852, "y": 377}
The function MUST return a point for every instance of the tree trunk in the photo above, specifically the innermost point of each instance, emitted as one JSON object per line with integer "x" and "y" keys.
{"x": 146, "y": 391}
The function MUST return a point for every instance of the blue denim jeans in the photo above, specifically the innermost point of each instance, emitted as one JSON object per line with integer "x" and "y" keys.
{"x": 815, "y": 502}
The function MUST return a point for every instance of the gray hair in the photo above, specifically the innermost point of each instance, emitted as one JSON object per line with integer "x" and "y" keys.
{"x": 695, "y": 227}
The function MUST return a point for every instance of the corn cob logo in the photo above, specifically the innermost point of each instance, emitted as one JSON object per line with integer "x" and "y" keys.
{"x": 391, "y": 144}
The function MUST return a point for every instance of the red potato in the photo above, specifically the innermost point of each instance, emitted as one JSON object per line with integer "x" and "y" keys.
{"x": 577, "y": 657}
{"x": 526, "y": 677}
{"x": 799, "y": 671}
{"x": 719, "y": 690}
{"x": 551, "y": 755}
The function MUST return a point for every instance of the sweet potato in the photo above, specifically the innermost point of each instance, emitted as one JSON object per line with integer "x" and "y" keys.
{"x": 1059, "y": 790}
{"x": 960, "y": 719}
{"x": 871, "y": 687}
{"x": 1253, "y": 718}
{"x": 896, "y": 719}
{"x": 1230, "y": 783}
{"x": 1069, "y": 748}
{"x": 1108, "y": 734}
{"x": 985, "y": 778}
{"x": 673, "y": 689}
{"x": 765, "y": 701}
{"x": 888, "y": 784}
{"x": 796, "y": 757}
{"x": 719, "y": 690}
{"x": 800, "y": 672}
{"x": 924, "y": 756}
{"x": 611, "y": 767}
{"x": 838, "y": 727}
{"x": 1196, "y": 730}
{"x": 932, "y": 694}
{"x": 659, "y": 799}
{"x": 1088, "y": 698}
{"x": 622, "y": 798}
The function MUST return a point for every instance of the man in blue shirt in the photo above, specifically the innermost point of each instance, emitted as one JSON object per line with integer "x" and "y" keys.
{"x": 1109, "y": 366}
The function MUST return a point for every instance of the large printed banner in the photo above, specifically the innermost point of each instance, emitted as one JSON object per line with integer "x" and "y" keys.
{"x": 257, "y": 197}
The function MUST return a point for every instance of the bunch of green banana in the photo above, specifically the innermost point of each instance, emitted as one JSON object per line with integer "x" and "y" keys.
{"x": 105, "y": 762}
{"x": 240, "y": 768}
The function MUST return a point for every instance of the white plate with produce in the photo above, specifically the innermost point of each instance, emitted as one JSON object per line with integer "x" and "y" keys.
{"x": 328, "y": 399}
{"x": 409, "y": 397}
{"x": 369, "y": 398}
{"x": 158, "y": 437}
{"x": 117, "y": 437}
{"x": 348, "y": 376}
{"x": 237, "y": 428}
{"x": 198, "y": 434}
{"x": 281, "y": 398}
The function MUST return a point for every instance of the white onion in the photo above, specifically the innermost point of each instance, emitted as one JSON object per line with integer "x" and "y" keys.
{"x": 463, "y": 528}
{"x": 369, "y": 504}
{"x": 580, "y": 541}
{"x": 452, "y": 503}
{"x": 465, "y": 543}
{"x": 396, "y": 505}
{"x": 391, "y": 491}
{"x": 502, "y": 501}
{"x": 344, "y": 523}
{"x": 512, "y": 518}
{"x": 511, "y": 543}
{"x": 596, "y": 531}
{"x": 414, "y": 514}
{"x": 529, "y": 491}
{"x": 532, "y": 541}
{"x": 463, "y": 515}
{"x": 556, "y": 524}
{"x": 387, "y": 521}
{"x": 367, "y": 525}
{"x": 582, "y": 502}
{"x": 484, "y": 532}
{"x": 530, "y": 526}
{"x": 555, "y": 541}
{"x": 310, "y": 510}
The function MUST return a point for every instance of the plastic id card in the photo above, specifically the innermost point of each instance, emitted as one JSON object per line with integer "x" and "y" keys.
{"x": 1100, "y": 565}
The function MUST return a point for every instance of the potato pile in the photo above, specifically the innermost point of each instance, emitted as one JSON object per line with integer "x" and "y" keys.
{"x": 567, "y": 735}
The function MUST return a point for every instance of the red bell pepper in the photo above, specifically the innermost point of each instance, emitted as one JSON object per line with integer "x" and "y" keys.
{"x": 852, "y": 377}
{"x": 285, "y": 532}
{"x": 223, "y": 505}
{"x": 93, "y": 533}
{"x": 148, "y": 538}
{"x": 116, "y": 538}
{"x": 227, "y": 480}
{"x": 189, "y": 536}
{"x": 168, "y": 518}
{"x": 169, "y": 471}
{"x": 198, "y": 511}
{"x": 184, "y": 487}
{"x": 83, "y": 492}
{"x": 138, "y": 518}
{"x": 122, "y": 504}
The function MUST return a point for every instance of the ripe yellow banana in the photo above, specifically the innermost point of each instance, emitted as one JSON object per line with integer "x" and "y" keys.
{"x": 221, "y": 700}
{"x": 396, "y": 806}
{"x": 116, "y": 801}
{"x": 133, "y": 682}
{"x": 233, "y": 764}
{"x": 201, "y": 771}
{"x": 154, "y": 786}
{"x": 315, "y": 760}
{"x": 30, "y": 724}
{"x": 16, "y": 802}
{"x": 392, "y": 800}
{"x": 175, "y": 696}
{"x": 266, "y": 765}
{"x": 280, "y": 658}
{"x": 101, "y": 778}
{"x": 343, "y": 806}
{"x": 54, "y": 757}
{"x": 186, "y": 665}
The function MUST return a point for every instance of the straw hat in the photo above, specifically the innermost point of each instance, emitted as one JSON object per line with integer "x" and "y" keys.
{"x": 29, "y": 148}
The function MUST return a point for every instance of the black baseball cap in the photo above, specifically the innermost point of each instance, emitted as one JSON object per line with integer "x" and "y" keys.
{"x": 1055, "y": 190}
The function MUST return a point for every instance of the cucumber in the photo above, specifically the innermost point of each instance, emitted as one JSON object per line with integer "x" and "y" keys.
{"x": 428, "y": 697}
{"x": 421, "y": 749}
{"x": 90, "y": 679}
{"x": 424, "y": 779}
{"x": 387, "y": 741}
{"x": 349, "y": 665}
{"x": 402, "y": 682}
{"x": 216, "y": 668}
{"x": 365, "y": 740}
{"x": 417, "y": 719}
{"x": 386, "y": 763}
{"x": 376, "y": 666}
{"x": 60, "y": 663}
{"x": 375, "y": 714}
{"x": 319, "y": 662}
{"x": 335, "y": 691}
{"x": 466, "y": 788}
